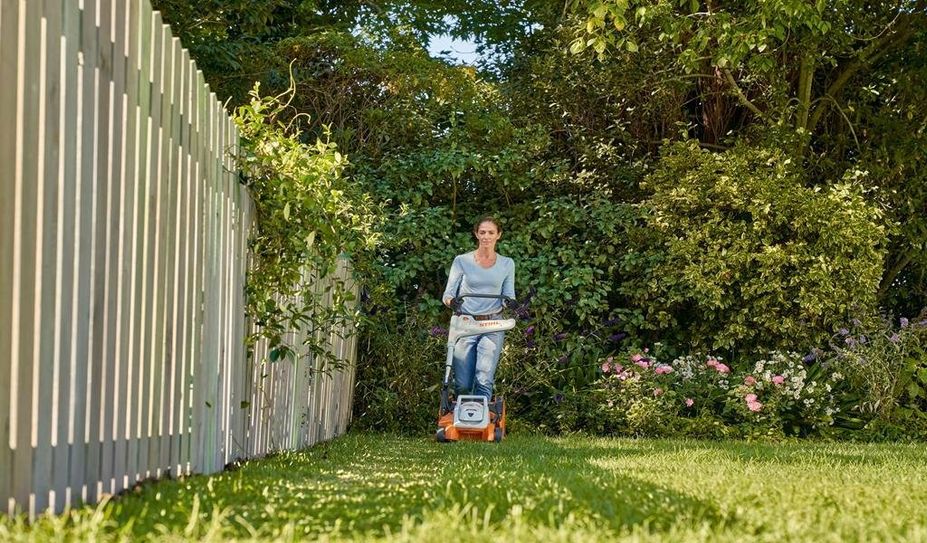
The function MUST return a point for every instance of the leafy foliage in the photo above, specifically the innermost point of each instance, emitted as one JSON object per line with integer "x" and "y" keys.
{"x": 741, "y": 254}
{"x": 781, "y": 394}
{"x": 307, "y": 215}
{"x": 843, "y": 74}
{"x": 399, "y": 378}
{"x": 886, "y": 366}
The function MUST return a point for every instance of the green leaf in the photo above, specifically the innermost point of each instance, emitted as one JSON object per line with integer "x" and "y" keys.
{"x": 914, "y": 390}
{"x": 577, "y": 46}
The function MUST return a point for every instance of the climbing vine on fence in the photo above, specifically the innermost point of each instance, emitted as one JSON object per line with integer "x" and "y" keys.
{"x": 306, "y": 216}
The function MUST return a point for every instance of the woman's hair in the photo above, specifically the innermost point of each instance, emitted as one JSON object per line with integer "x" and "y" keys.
{"x": 486, "y": 218}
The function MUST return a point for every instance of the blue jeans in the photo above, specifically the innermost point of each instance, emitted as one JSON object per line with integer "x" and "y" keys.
{"x": 475, "y": 361}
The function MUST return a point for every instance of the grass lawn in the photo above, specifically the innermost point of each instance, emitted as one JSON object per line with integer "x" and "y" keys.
{"x": 529, "y": 488}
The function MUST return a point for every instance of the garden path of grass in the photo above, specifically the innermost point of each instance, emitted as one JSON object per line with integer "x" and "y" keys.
{"x": 530, "y": 488}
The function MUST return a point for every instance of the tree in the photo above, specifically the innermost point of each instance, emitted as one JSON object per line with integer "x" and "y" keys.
{"x": 843, "y": 75}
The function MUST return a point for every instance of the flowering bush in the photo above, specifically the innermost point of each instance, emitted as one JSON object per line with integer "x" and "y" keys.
{"x": 694, "y": 395}
{"x": 787, "y": 392}
{"x": 886, "y": 368}
{"x": 634, "y": 395}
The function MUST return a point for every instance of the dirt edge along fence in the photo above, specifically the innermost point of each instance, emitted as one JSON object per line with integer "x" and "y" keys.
{"x": 123, "y": 253}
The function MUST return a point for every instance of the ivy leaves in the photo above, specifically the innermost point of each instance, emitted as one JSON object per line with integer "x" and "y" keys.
{"x": 307, "y": 215}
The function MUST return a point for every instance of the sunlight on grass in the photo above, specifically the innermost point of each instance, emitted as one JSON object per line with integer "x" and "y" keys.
{"x": 531, "y": 488}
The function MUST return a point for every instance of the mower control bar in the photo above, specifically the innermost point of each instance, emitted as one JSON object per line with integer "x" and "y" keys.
{"x": 457, "y": 302}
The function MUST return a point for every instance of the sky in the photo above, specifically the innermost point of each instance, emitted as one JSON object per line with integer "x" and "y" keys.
{"x": 463, "y": 52}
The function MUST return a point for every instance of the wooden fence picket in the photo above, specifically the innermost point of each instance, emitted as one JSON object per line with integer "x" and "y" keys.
{"x": 24, "y": 254}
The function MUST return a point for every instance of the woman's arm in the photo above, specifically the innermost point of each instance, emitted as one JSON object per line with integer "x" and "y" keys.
{"x": 508, "y": 284}
{"x": 453, "y": 282}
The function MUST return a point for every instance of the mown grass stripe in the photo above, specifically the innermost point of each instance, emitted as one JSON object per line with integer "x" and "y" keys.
{"x": 532, "y": 488}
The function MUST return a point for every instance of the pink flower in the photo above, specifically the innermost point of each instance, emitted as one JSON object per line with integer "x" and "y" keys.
{"x": 605, "y": 367}
{"x": 778, "y": 379}
{"x": 722, "y": 368}
{"x": 712, "y": 362}
{"x": 663, "y": 369}
{"x": 749, "y": 380}
{"x": 636, "y": 357}
{"x": 617, "y": 368}
{"x": 754, "y": 406}
{"x": 689, "y": 402}
{"x": 657, "y": 391}
{"x": 750, "y": 398}
{"x": 643, "y": 363}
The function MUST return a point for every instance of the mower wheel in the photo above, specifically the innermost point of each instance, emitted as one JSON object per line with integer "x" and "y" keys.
{"x": 497, "y": 435}
{"x": 440, "y": 437}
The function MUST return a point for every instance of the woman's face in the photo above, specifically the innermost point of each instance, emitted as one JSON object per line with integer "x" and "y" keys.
{"x": 487, "y": 235}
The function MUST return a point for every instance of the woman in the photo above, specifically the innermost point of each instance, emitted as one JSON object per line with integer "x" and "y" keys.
{"x": 482, "y": 271}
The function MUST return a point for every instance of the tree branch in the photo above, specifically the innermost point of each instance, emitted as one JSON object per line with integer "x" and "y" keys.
{"x": 805, "y": 77}
{"x": 741, "y": 96}
{"x": 889, "y": 277}
{"x": 867, "y": 56}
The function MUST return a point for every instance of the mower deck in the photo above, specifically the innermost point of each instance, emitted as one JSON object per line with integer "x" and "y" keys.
{"x": 493, "y": 431}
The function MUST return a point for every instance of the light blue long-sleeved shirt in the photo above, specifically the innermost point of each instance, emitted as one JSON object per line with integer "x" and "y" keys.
{"x": 468, "y": 277}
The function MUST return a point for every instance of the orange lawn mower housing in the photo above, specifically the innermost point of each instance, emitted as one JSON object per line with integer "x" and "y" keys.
{"x": 469, "y": 417}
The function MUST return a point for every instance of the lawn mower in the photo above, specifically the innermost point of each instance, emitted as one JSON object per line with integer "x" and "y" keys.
{"x": 471, "y": 417}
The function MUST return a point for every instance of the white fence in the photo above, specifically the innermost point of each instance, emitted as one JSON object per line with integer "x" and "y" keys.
{"x": 123, "y": 252}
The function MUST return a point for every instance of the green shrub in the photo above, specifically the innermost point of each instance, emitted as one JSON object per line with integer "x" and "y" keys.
{"x": 399, "y": 372}
{"x": 886, "y": 372}
{"x": 703, "y": 426}
{"x": 740, "y": 252}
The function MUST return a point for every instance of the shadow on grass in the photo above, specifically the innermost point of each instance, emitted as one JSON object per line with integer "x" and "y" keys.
{"x": 367, "y": 484}
{"x": 619, "y": 500}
